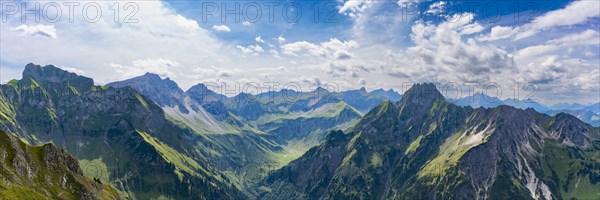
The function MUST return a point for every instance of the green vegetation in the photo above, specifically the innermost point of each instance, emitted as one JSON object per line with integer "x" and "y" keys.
{"x": 142, "y": 101}
{"x": 97, "y": 88}
{"x": 569, "y": 171}
{"x": 414, "y": 145}
{"x": 348, "y": 157}
{"x": 34, "y": 84}
{"x": 452, "y": 150}
{"x": 180, "y": 161}
{"x": 95, "y": 169}
{"x": 382, "y": 107}
{"x": 73, "y": 89}
{"x": 7, "y": 112}
{"x": 44, "y": 172}
{"x": 13, "y": 83}
{"x": 376, "y": 160}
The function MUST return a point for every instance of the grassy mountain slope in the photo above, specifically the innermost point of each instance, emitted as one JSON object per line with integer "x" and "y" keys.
{"x": 44, "y": 172}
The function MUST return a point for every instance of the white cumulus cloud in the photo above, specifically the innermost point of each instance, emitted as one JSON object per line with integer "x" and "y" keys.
{"x": 221, "y": 28}
{"x": 334, "y": 48}
{"x": 259, "y": 40}
{"x": 251, "y": 49}
{"x": 37, "y": 30}
{"x": 577, "y": 12}
{"x": 160, "y": 66}
{"x": 436, "y": 8}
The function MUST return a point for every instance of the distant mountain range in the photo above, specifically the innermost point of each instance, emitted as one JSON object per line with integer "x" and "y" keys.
{"x": 588, "y": 113}
{"x": 149, "y": 139}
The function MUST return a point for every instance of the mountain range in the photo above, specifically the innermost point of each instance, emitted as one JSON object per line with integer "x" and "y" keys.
{"x": 149, "y": 139}
{"x": 424, "y": 147}
{"x": 588, "y": 113}
{"x": 273, "y": 128}
{"x": 118, "y": 135}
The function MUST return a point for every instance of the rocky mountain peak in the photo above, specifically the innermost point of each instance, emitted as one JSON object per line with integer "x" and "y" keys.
{"x": 320, "y": 90}
{"x": 150, "y": 81}
{"x": 164, "y": 92}
{"x": 199, "y": 86}
{"x": 201, "y": 93}
{"x": 572, "y": 129}
{"x": 52, "y": 74}
{"x": 363, "y": 89}
{"x": 422, "y": 94}
{"x": 151, "y": 76}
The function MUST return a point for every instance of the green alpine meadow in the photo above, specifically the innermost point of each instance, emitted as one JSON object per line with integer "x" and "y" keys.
{"x": 299, "y": 100}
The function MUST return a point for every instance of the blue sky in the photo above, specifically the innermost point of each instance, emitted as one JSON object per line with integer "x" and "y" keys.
{"x": 553, "y": 45}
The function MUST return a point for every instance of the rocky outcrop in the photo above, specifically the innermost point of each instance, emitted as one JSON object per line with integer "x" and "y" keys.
{"x": 44, "y": 172}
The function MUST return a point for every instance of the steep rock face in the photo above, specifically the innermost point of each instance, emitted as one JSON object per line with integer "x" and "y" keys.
{"x": 202, "y": 94}
{"x": 426, "y": 148}
{"x": 164, "y": 92}
{"x": 179, "y": 106}
{"x": 47, "y": 75}
{"x": 123, "y": 132}
{"x": 44, "y": 172}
